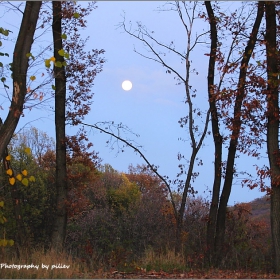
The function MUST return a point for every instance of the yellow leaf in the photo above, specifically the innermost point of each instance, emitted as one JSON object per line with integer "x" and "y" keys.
{"x": 32, "y": 78}
{"x": 11, "y": 242}
{"x": 12, "y": 181}
{"x": 8, "y": 157}
{"x": 1, "y": 203}
{"x": 5, "y": 242}
{"x": 32, "y": 179}
{"x": 27, "y": 151}
{"x": 19, "y": 177}
{"x": 48, "y": 63}
{"x": 25, "y": 182}
{"x": 9, "y": 172}
{"x": 24, "y": 172}
{"x": 52, "y": 59}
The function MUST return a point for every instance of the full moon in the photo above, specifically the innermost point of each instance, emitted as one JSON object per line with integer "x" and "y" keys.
{"x": 127, "y": 85}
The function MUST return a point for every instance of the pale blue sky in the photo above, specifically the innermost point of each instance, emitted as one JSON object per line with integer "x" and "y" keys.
{"x": 155, "y": 104}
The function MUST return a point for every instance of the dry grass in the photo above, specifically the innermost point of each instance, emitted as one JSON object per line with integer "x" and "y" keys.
{"x": 168, "y": 262}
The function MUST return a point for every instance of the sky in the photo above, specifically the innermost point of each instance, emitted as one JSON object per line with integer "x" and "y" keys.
{"x": 155, "y": 103}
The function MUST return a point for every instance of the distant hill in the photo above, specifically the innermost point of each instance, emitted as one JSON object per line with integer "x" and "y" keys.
{"x": 261, "y": 209}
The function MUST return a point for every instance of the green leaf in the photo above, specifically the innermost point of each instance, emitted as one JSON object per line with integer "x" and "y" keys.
{"x": 58, "y": 64}
{"x": 0, "y": 43}
{"x": 4, "y": 54}
{"x": 3, "y": 31}
{"x": 30, "y": 55}
{"x": 76, "y": 15}
{"x": 64, "y": 63}
{"x": 1, "y": 203}
{"x": 61, "y": 52}
{"x": 3, "y": 79}
{"x": 25, "y": 182}
{"x": 66, "y": 55}
{"x": 63, "y": 36}
{"x": 32, "y": 179}
{"x": 1, "y": 64}
{"x": 53, "y": 87}
{"x": 11, "y": 242}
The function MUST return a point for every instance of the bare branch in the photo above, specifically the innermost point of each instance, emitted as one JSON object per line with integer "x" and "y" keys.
{"x": 140, "y": 37}
{"x": 151, "y": 166}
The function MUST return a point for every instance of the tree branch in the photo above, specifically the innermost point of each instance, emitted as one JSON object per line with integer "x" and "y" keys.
{"x": 151, "y": 166}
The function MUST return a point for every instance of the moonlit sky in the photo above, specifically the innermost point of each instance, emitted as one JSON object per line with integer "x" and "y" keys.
{"x": 155, "y": 103}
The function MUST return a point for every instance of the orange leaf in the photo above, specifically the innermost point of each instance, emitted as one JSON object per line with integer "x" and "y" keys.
{"x": 9, "y": 172}
{"x": 12, "y": 181}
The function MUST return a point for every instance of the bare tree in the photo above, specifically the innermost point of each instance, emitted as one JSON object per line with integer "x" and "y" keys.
{"x": 188, "y": 14}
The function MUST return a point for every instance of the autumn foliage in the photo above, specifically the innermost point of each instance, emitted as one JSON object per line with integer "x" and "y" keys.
{"x": 138, "y": 220}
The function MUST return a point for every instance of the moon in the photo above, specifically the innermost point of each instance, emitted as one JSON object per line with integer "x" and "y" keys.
{"x": 127, "y": 85}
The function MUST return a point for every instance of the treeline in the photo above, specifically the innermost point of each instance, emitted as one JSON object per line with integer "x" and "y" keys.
{"x": 114, "y": 218}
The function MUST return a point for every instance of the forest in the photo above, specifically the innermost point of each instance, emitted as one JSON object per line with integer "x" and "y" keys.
{"x": 64, "y": 213}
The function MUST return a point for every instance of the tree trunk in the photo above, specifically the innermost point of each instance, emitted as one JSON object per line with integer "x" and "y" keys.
{"x": 59, "y": 230}
{"x": 221, "y": 217}
{"x": 181, "y": 212}
{"x": 19, "y": 70}
{"x": 273, "y": 129}
{"x": 211, "y": 224}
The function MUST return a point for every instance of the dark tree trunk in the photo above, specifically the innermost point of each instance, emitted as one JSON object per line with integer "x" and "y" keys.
{"x": 273, "y": 129}
{"x": 221, "y": 216}
{"x": 19, "y": 70}
{"x": 211, "y": 224}
{"x": 181, "y": 212}
{"x": 59, "y": 229}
